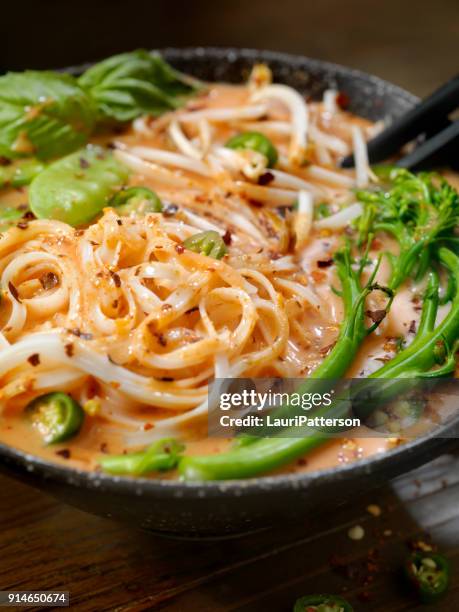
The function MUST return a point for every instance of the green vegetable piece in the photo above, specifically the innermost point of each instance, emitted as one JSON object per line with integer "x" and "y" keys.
{"x": 131, "y": 84}
{"x": 429, "y": 574}
{"x": 44, "y": 114}
{"x": 20, "y": 173}
{"x": 136, "y": 201}
{"x": 255, "y": 141}
{"x": 322, "y": 603}
{"x": 56, "y": 416}
{"x": 9, "y": 217}
{"x": 208, "y": 243}
{"x": 76, "y": 188}
{"x": 160, "y": 456}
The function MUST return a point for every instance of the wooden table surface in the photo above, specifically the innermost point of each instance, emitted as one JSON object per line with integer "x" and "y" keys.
{"x": 47, "y": 545}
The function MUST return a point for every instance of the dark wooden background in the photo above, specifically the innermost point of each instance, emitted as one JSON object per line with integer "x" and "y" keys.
{"x": 109, "y": 567}
{"x": 411, "y": 42}
{"x": 105, "y": 566}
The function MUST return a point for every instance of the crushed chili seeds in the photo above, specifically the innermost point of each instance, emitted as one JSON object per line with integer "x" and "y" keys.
{"x": 179, "y": 248}
{"x": 64, "y": 453}
{"x": 23, "y": 225}
{"x": 166, "y": 307}
{"x": 34, "y": 359}
{"x": 69, "y": 349}
{"x": 148, "y": 426}
{"x": 14, "y": 291}
{"x": 4, "y": 161}
{"x": 29, "y": 215}
{"x": 49, "y": 281}
{"x": 265, "y": 178}
{"x": 103, "y": 448}
{"x": 161, "y": 339}
{"x": 84, "y": 163}
{"x": 119, "y": 222}
{"x": 412, "y": 327}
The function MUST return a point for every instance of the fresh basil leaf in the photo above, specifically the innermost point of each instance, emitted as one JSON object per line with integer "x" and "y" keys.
{"x": 76, "y": 188}
{"x": 131, "y": 84}
{"x": 43, "y": 114}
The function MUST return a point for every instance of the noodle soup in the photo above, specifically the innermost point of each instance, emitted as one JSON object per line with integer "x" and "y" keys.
{"x": 216, "y": 237}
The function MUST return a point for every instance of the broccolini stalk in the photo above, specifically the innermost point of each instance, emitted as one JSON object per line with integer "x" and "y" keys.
{"x": 417, "y": 210}
{"x": 416, "y": 360}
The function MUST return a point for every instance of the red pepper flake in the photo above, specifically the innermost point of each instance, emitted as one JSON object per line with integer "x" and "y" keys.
{"x": 69, "y": 349}
{"x": 169, "y": 210}
{"x": 14, "y": 291}
{"x": 227, "y": 237}
{"x": 376, "y": 315}
{"x": 79, "y": 334}
{"x": 49, "y": 281}
{"x": 119, "y": 222}
{"x": 325, "y": 263}
{"x": 23, "y": 225}
{"x": 84, "y": 163}
{"x": 148, "y": 426}
{"x": 162, "y": 340}
{"x": 166, "y": 307}
{"x": 103, "y": 448}
{"x": 116, "y": 279}
{"x": 167, "y": 379}
{"x": 265, "y": 178}
{"x": 4, "y": 161}
{"x": 412, "y": 328}
{"x": 64, "y": 453}
{"x": 34, "y": 359}
{"x": 29, "y": 215}
{"x": 342, "y": 100}
{"x": 179, "y": 248}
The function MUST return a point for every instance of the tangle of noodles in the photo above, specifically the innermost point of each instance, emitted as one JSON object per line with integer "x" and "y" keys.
{"x": 121, "y": 313}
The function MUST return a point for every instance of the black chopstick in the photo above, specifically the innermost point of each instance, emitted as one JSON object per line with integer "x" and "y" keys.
{"x": 436, "y": 151}
{"x": 424, "y": 117}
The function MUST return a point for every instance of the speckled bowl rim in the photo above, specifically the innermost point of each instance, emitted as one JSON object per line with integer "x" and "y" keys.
{"x": 432, "y": 443}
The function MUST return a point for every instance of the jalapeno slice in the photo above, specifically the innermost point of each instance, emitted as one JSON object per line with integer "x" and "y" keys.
{"x": 136, "y": 201}
{"x": 160, "y": 456}
{"x": 56, "y": 416}
{"x": 255, "y": 141}
{"x": 322, "y": 603}
{"x": 429, "y": 574}
{"x": 208, "y": 243}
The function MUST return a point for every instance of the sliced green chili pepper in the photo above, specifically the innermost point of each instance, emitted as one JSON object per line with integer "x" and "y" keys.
{"x": 136, "y": 201}
{"x": 162, "y": 455}
{"x": 429, "y": 574}
{"x": 322, "y": 603}
{"x": 255, "y": 141}
{"x": 207, "y": 243}
{"x": 20, "y": 173}
{"x": 9, "y": 217}
{"x": 56, "y": 416}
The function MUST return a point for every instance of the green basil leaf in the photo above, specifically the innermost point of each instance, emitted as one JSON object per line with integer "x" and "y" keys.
{"x": 43, "y": 114}
{"x": 131, "y": 84}
{"x": 76, "y": 188}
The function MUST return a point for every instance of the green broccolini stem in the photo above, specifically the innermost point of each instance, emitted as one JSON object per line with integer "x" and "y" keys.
{"x": 271, "y": 453}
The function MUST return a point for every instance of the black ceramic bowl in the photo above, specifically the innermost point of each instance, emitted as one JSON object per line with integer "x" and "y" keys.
{"x": 219, "y": 509}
